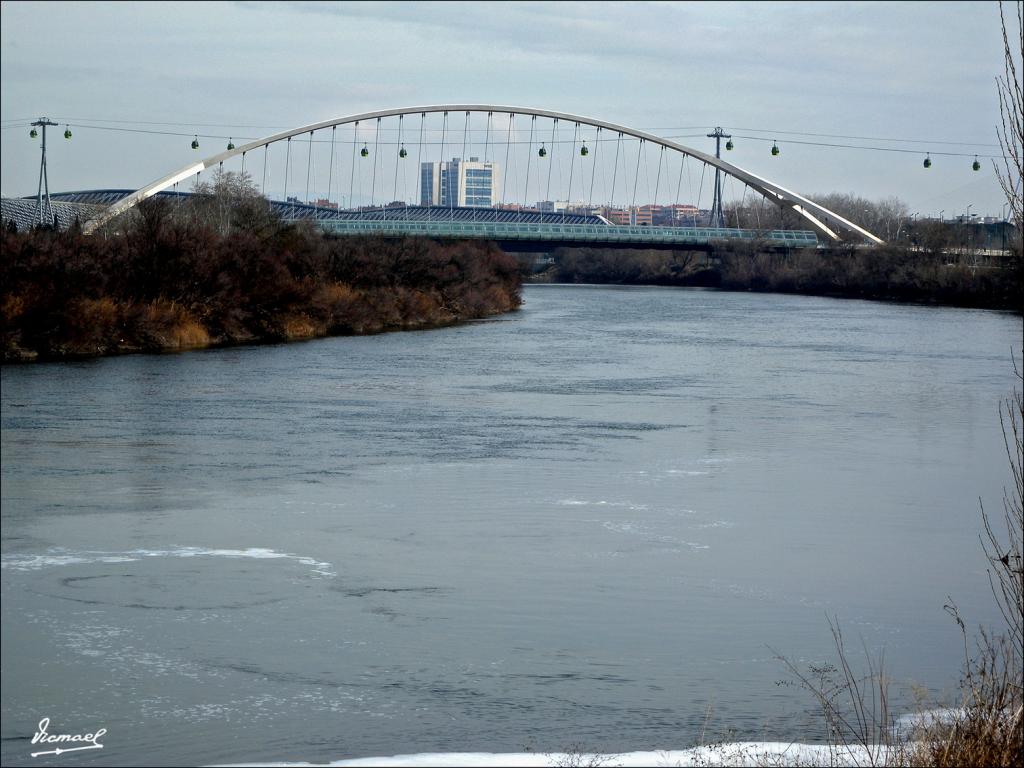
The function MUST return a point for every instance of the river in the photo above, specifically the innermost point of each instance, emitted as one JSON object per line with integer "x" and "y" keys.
{"x": 596, "y": 521}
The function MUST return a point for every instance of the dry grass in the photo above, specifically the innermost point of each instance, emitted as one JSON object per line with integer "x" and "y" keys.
{"x": 299, "y": 326}
{"x": 188, "y": 334}
{"x": 854, "y": 706}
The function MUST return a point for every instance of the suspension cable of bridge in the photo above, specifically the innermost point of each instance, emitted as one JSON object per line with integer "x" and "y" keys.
{"x": 352, "y": 176}
{"x": 373, "y": 178}
{"x": 508, "y": 146}
{"x": 330, "y": 165}
{"x": 487, "y": 141}
{"x": 419, "y": 156}
{"x": 287, "y": 160}
{"x": 309, "y": 165}
{"x": 679, "y": 184}
{"x": 446, "y": 187}
{"x": 551, "y": 160}
{"x": 593, "y": 170}
{"x": 572, "y": 159}
{"x": 459, "y": 174}
{"x": 703, "y": 168}
{"x": 363, "y": 154}
{"x": 529, "y": 157}
{"x": 657, "y": 180}
{"x": 263, "y": 185}
{"x": 615, "y": 169}
{"x": 636, "y": 173}
{"x": 394, "y": 194}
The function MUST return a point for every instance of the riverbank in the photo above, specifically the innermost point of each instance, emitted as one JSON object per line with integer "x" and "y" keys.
{"x": 733, "y": 754}
{"x": 880, "y": 274}
{"x": 66, "y": 296}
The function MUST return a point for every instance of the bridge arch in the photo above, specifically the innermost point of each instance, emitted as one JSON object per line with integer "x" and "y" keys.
{"x": 781, "y": 196}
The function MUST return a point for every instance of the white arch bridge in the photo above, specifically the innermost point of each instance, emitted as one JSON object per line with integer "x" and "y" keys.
{"x": 526, "y": 152}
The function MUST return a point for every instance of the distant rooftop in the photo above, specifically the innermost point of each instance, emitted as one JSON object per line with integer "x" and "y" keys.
{"x": 301, "y": 211}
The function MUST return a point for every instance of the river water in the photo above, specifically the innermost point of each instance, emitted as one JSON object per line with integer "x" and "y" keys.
{"x": 592, "y": 522}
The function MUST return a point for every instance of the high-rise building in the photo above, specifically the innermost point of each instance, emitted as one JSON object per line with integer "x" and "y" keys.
{"x": 462, "y": 183}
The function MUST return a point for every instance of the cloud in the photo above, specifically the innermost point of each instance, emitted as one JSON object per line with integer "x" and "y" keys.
{"x": 892, "y": 69}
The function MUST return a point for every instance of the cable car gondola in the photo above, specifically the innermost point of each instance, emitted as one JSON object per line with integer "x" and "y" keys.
{"x": 542, "y": 152}
{"x": 584, "y": 151}
{"x": 67, "y": 131}
{"x": 928, "y": 161}
{"x": 976, "y": 165}
{"x": 33, "y": 133}
{"x": 775, "y": 149}
{"x": 231, "y": 144}
{"x": 364, "y": 152}
{"x": 195, "y": 142}
{"x": 402, "y": 152}
{"x": 729, "y": 145}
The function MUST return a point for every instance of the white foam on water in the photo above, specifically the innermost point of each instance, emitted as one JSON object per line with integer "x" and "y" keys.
{"x": 35, "y": 562}
{"x": 624, "y": 527}
{"x": 601, "y": 503}
{"x": 680, "y": 512}
{"x": 59, "y": 558}
{"x": 736, "y": 754}
{"x": 639, "y": 529}
{"x": 696, "y": 545}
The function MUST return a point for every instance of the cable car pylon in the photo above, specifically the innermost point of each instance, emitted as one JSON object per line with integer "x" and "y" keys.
{"x": 717, "y": 215}
{"x": 43, "y": 214}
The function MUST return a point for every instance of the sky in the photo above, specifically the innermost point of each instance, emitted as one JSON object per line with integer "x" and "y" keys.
{"x": 909, "y": 76}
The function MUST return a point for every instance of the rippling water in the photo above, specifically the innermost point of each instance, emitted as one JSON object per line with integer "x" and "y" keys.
{"x": 590, "y": 522}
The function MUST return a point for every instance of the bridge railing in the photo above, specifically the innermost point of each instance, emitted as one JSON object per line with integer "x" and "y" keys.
{"x": 569, "y": 232}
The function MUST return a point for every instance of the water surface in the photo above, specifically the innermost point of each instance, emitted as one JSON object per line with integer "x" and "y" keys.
{"x": 594, "y": 521}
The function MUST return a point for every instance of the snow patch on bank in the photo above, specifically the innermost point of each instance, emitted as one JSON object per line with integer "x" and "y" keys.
{"x": 737, "y": 754}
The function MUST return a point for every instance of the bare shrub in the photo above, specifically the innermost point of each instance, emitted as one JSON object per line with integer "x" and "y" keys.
{"x": 854, "y": 706}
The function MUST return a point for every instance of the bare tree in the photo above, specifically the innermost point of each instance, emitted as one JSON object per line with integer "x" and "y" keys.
{"x": 883, "y": 217}
{"x": 1011, "y": 110}
{"x": 230, "y": 201}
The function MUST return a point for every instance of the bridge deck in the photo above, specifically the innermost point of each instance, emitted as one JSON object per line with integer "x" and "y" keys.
{"x": 569, "y": 233}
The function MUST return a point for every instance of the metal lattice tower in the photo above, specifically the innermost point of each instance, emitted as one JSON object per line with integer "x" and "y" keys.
{"x": 43, "y": 214}
{"x": 717, "y": 215}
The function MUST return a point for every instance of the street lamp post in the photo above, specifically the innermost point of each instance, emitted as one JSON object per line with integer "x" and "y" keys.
{"x": 903, "y": 220}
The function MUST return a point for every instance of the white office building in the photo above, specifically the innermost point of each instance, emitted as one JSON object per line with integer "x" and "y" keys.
{"x": 461, "y": 183}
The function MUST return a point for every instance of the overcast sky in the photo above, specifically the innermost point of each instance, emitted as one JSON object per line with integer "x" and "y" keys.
{"x": 911, "y": 74}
